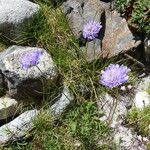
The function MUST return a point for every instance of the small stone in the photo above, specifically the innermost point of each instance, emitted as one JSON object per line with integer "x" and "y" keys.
{"x": 129, "y": 87}
{"x": 123, "y": 88}
{"x": 142, "y": 99}
{"x": 18, "y": 128}
{"x": 8, "y": 107}
{"x": 62, "y": 103}
{"x": 77, "y": 144}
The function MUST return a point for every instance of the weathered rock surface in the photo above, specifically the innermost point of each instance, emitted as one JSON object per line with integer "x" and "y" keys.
{"x": 142, "y": 95}
{"x": 23, "y": 124}
{"x": 126, "y": 140}
{"x": 18, "y": 128}
{"x": 115, "y": 36}
{"x": 61, "y": 104}
{"x": 8, "y": 107}
{"x": 14, "y": 15}
{"x": 115, "y": 111}
{"x": 24, "y": 83}
{"x": 79, "y": 12}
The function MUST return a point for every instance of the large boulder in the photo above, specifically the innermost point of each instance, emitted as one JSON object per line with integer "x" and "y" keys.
{"x": 114, "y": 37}
{"x": 29, "y": 81}
{"x": 15, "y": 15}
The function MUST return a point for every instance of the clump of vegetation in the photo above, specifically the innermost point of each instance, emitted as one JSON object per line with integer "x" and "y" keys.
{"x": 78, "y": 129}
{"x": 136, "y": 12}
{"x": 140, "y": 120}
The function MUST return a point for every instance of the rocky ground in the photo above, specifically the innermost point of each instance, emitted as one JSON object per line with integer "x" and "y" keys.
{"x": 64, "y": 72}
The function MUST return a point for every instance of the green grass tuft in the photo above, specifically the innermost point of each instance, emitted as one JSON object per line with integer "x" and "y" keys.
{"x": 140, "y": 120}
{"x": 136, "y": 12}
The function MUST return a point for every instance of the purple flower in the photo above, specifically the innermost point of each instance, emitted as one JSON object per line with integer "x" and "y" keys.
{"x": 114, "y": 75}
{"x": 91, "y": 30}
{"x": 31, "y": 58}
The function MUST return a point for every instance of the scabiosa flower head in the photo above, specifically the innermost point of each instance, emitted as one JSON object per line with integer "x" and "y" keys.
{"x": 91, "y": 30}
{"x": 114, "y": 75}
{"x": 31, "y": 58}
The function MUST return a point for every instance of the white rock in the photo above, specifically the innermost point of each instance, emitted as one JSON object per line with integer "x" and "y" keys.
{"x": 123, "y": 88}
{"x": 18, "y": 128}
{"x": 144, "y": 84}
{"x": 23, "y": 124}
{"x": 26, "y": 82}
{"x": 61, "y": 104}
{"x": 114, "y": 109}
{"x": 14, "y": 15}
{"x": 142, "y": 99}
{"x": 8, "y": 107}
{"x": 126, "y": 140}
{"x": 129, "y": 87}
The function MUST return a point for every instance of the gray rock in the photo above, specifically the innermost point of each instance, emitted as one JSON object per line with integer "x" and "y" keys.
{"x": 24, "y": 83}
{"x": 61, "y": 104}
{"x": 126, "y": 140}
{"x": 18, "y": 128}
{"x": 114, "y": 109}
{"x": 79, "y": 12}
{"x": 15, "y": 15}
{"x": 117, "y": 37}
{"x": 8, "y": 107}
{"x": 23, "y": 124}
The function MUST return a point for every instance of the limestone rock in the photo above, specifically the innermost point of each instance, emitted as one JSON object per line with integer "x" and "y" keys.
{"x": 23, "y": 124}
{"x": 61, "y": 104}
{"x": 15, "y": 15}
{"x": 18, "y": 128}
{"x": 26, "y": 82}
{"x": 114, "y": 109}
{"x": 142, "y": 99}
{"x": 142, "y": 96}
{"x": 125, "y": 139}
{"x": 8, "y": 107}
